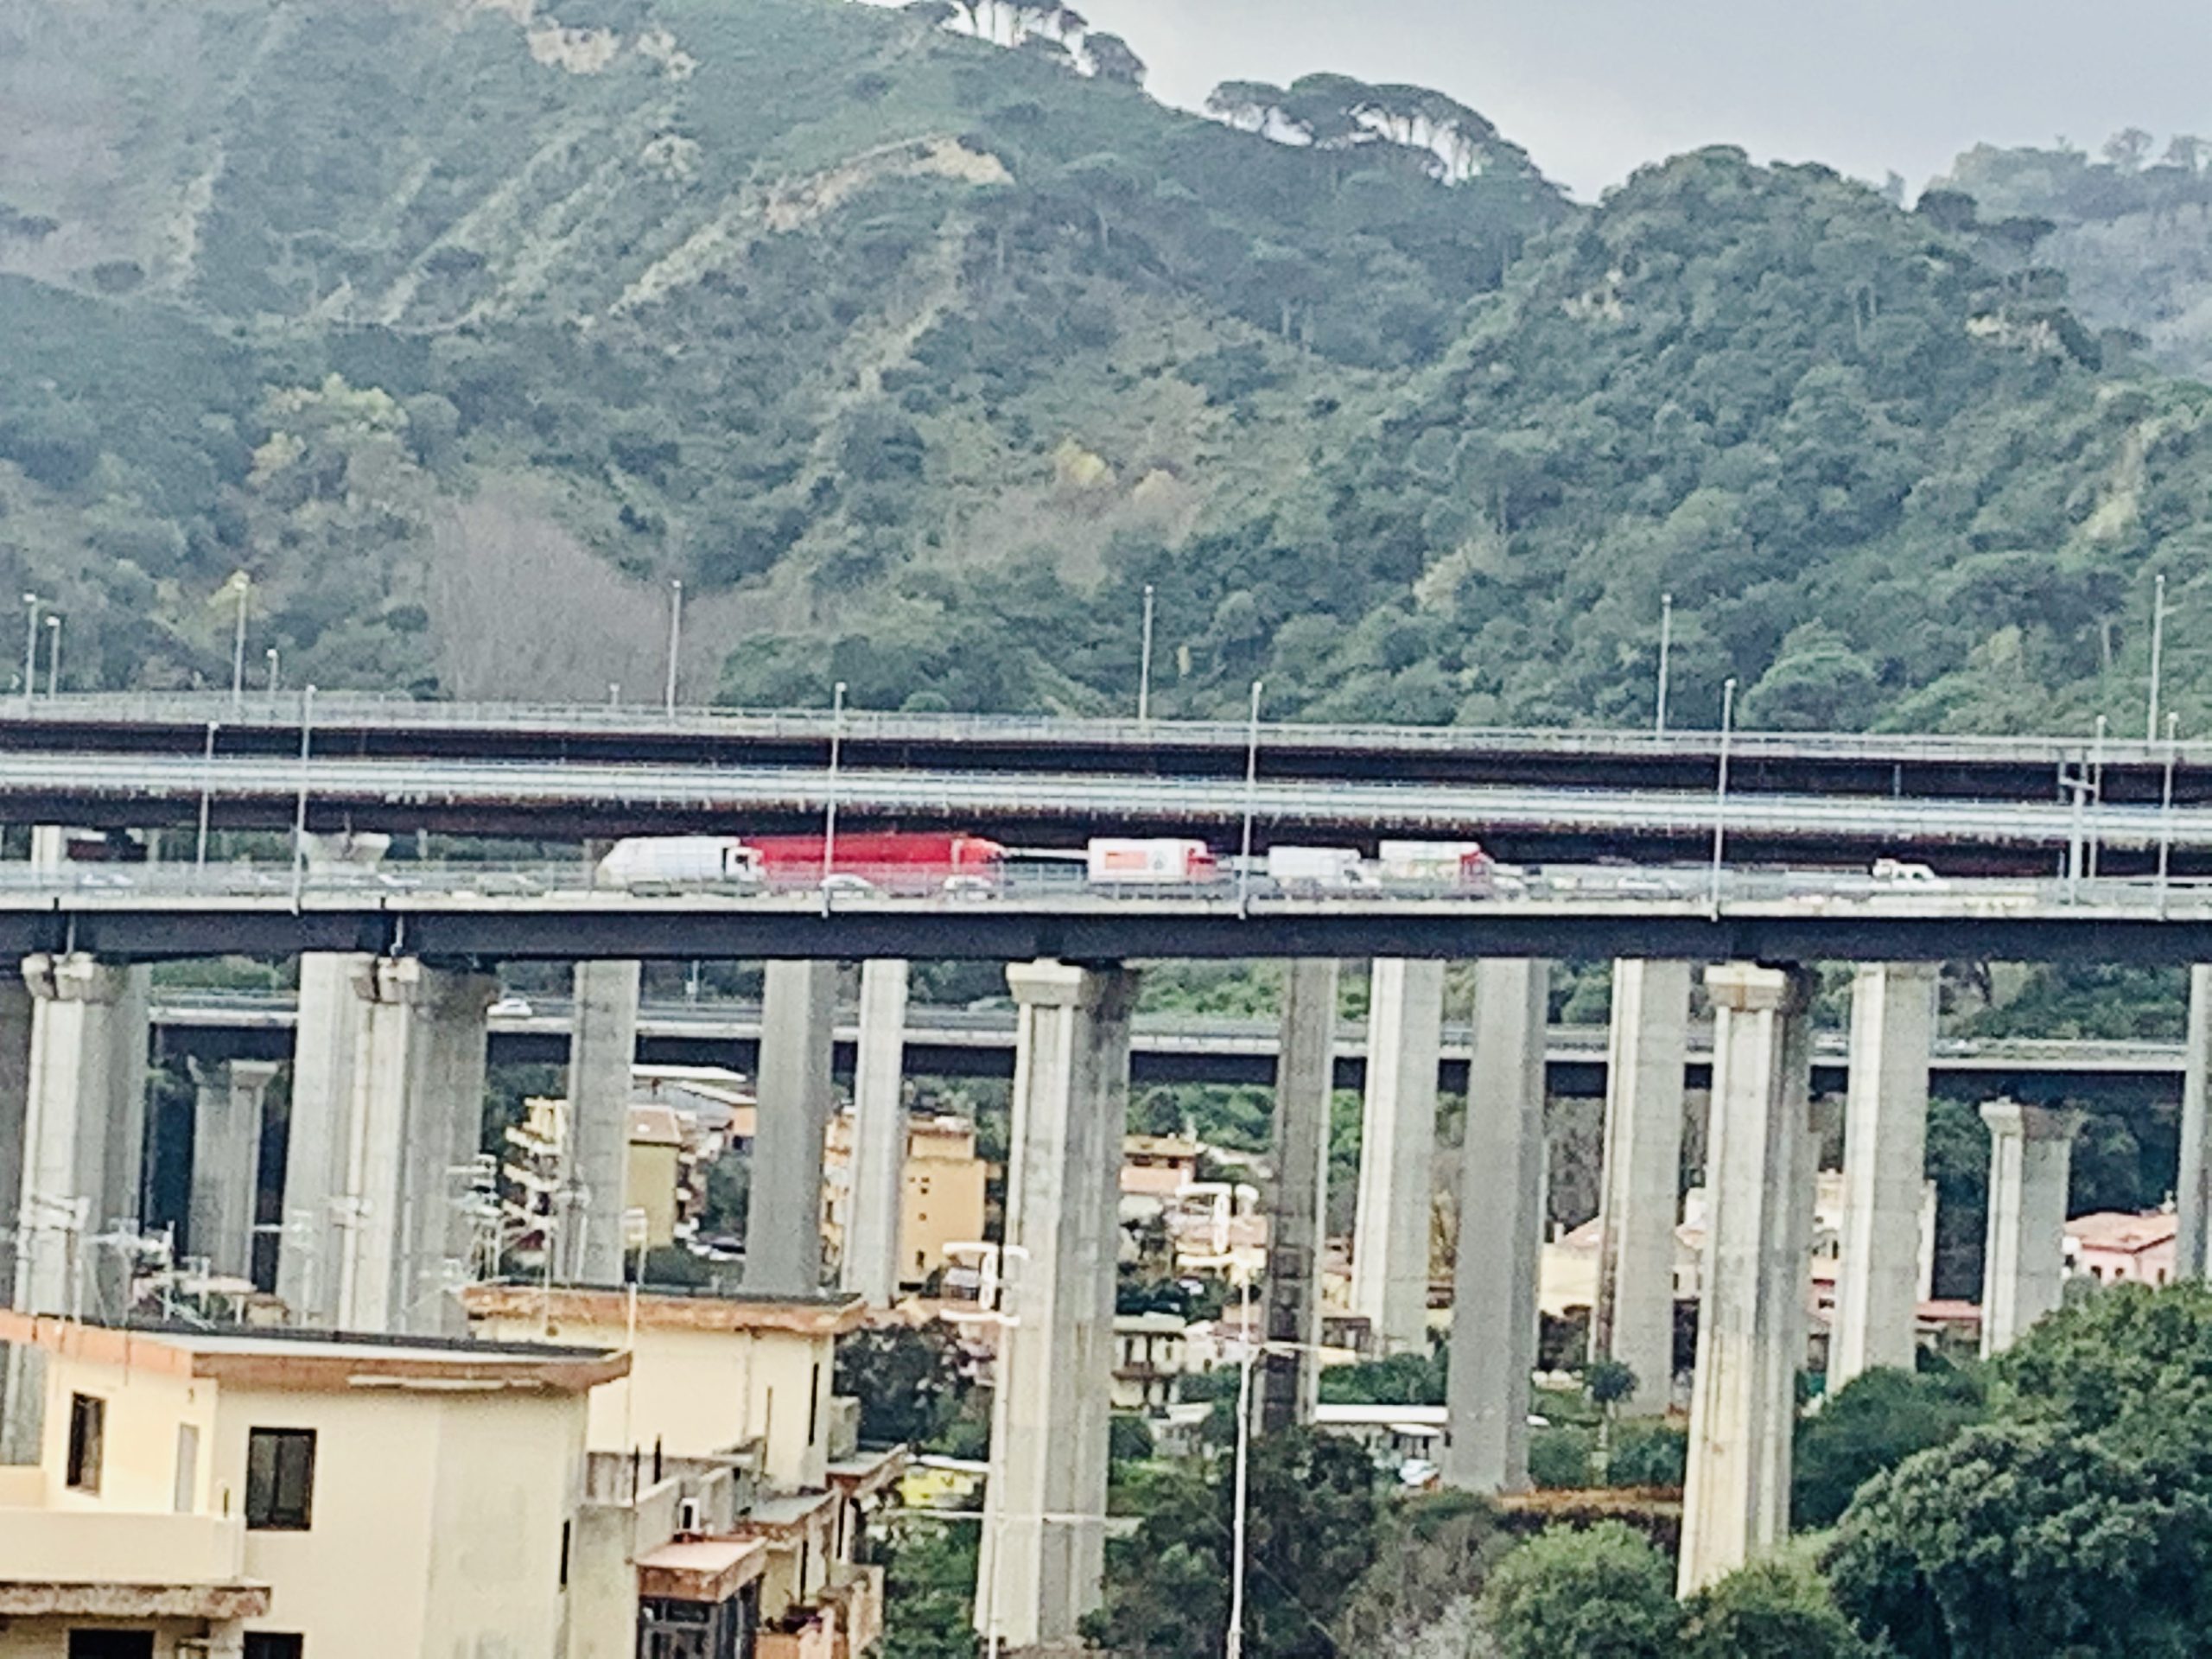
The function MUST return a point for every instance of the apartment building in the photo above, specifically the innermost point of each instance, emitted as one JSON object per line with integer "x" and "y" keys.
{"x": 726, "y": 1480}
{"x": 942, "y": 1191}
{"x": 271, "y": 1495}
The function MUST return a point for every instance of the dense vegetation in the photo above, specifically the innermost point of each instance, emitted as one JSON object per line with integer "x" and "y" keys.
{"x": 915, "y": 357}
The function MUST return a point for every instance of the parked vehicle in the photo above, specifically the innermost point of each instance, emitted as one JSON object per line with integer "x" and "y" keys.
{"x": 1902, "y": 873}
{"x": 892, "y": 860}
{"x": 1461, "y": 866}
{"x": 1163, "y": 861}
{"x": 650, "y": 861}
{"x": 1318, "y": 869}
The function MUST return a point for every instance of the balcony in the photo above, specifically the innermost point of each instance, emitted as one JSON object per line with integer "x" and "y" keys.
{"x": 804, "y": 1633}
{"x": 859, "y": 1602}
{"x": 124, "y": 1563}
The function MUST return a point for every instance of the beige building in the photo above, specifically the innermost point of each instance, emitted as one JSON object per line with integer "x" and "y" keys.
{"x": 653, "y": 1181}
{"x": 266, "y": 1495}
{"x": 726, "y": 1484}
{"x": 1158, "y": 1166}
{"x": 1149, "y": 1357}
{"x": 942, "y": 1188}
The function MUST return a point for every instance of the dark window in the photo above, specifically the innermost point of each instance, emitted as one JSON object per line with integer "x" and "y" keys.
{"x": 814, "y": 1405}
{"x": 111, "y": 1644}
{"x": 88, "y": 1424}
{"x": 274, "y": 1644}
{"x": 280, "y": 1478}
{"x": 564, "y": 1554}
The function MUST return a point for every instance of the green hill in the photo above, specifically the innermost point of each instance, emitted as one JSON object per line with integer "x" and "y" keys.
{"x": 465, "y": 327}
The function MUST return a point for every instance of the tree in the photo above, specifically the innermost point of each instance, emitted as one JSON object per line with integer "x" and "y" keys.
{"x": 2128, "y": 149}
{"x": 1602, "y": 1592}
{"x": 1874, "y": 1423}
{"x": 1249, "y": 106}
{"x": 1109, "y": 57}
{"x": 1817, "y": 683}
{"x": 928, "y": 1591}
{"x": 1607, "y": 1382}
{"x": 1772, "y": 1610}
{"x": 908, "y": 1379}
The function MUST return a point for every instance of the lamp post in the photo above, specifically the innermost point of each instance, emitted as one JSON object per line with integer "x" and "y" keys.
{"x": 2166, "y": 809}
{"x": 30, "y": 650}
{"x": 830, "y": 808}
{"x": 238, "y": 643}
{"x": 2158, "y": 654}
{"x": 275, "y": 664}
{"x": 1720, "y": 793}
{"x": 300, "y": 806}
{"x": 1666, "y": 652}
{"x": 1252, "y": 799}
{"x": 207, "y": 789}
{"x": 1144, "y": 662}
{"x": 53, "y": 654}
{"x": 675, "y": 639}
{"x": 2096, "y": 791}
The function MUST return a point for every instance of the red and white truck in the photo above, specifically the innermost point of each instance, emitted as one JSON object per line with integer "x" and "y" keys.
{"x": 1114, "y": 861}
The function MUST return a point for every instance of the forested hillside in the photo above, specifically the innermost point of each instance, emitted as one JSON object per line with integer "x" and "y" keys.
{"x": 916, "y": 354}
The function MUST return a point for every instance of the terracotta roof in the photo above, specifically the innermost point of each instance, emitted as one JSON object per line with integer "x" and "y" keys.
{"x": 701, "y": 1569}
{"x": 2119, "y": 1230}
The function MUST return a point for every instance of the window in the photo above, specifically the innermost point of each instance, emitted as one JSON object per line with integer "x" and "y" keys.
{"x": 87, "y": 1425}
{"x": 814, "y": 1406}
{"x": 564, "y": 1554}
{"x": 280, "y": 1478}
{"x": 184, "y": 1499}
{"x": 111, "y": 1644}
{"x": 274, "y": 1644}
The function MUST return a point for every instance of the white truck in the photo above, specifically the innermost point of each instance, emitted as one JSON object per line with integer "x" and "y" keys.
{"x": 1317, "y": 869}
{"x": 1457, "y": 865}
{"x": 651, "y": 861}
{"x": 1114, "y": 861}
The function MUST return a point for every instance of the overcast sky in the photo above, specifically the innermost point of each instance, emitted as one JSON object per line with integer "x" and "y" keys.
{"x": 1593, "y": 88}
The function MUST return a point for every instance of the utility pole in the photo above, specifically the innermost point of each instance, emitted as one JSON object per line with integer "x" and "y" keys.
{"x": 1666, "y": 648}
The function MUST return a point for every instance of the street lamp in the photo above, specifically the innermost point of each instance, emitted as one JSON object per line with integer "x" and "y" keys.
{"x": 1720, "y": 796}
{"x": 207, "y": 788}
{"x": 274, "y": 664}
{"x": 2158, "y": 654}
{"x": 30, "y": 650}
{"x": 1666, "y": 651}
{"x": 2166, "y": 810}
{"x": 1251, "y": 794}
{"x": 245, "y": 586}
{"x": 1144, "y": 662}
{"x": 675, "y": 639}
{"x": 299, "y": 807}
{"x": 994, "y": 1307}
{"x": 53, "y": 654}
{"x": 2096, "y": 791}
{"x": 830, "y": 808}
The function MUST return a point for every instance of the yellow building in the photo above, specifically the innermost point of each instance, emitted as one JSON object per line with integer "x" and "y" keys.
{"x": 271, "y": 1495}
{"x": 1158, "y": 1166}
{"x": 655, "y": 1175}
{"x": 942, "y": 1188}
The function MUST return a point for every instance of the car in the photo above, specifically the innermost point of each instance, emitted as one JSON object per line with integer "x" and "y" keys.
{"x": 845, "y": 882}
{"x": 511, "y": 1006}
{"x": 1904, "y": 872}
{"x": 970, "y": 889}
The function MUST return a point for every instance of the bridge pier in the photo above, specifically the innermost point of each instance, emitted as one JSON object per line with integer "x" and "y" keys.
{"x": 783, "y": 1221}
{"x": 602, "y": 1049}
{"x": 1750, "y": 1339}
{"x": 1640, "y": 1194}
{"x": 1305, "y": 1080}
{"x": 1884, "y": 1168}
{"x": 417, "y": 1125}
{"x": 2193, "y": 1188}
{"x": 1397, "y": 1144}
{"x": 1502, "y": 1206}
{"x": 329, "y": 1038}
{"x": 870, "y": 1267}
{"x": 226, "y": 1119}
{"x": 2024, "y": 1269}
{"x": 1043, "y": 1555}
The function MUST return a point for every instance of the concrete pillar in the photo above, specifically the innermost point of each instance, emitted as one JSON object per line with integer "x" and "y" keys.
{"x": 84, "y": 1133}
{"x": 2024, "y": 1267}
{"x": 1502, "y": 1205}
{"x": 1640, "y": 1197}
{"x": 871, "y": 1267}
{"x": 1043, "y": 1561}
{"x": 1398, "y": 1143}
{"x": 2193, "y": 1189}
{"x": 1297, "y": 1203}
{"x": 416, "y": 1124}
{"x": 783, "y": 1227}
{"x": 1750, "y": 1339}
{"x": 16, "y": 1016}
{"x": 327, "y": 1047}
{"x": 226, "y": 1163}
{"x": 1884, "y": 1168}
{"x": 602, "y": 1048}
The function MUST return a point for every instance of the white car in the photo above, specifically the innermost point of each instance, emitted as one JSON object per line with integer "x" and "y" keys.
{"x": 511, "y": 1007}
{"x": 1902, "y": 873}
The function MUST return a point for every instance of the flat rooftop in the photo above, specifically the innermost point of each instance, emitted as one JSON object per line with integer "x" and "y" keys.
{"x": 602, "y": 1307}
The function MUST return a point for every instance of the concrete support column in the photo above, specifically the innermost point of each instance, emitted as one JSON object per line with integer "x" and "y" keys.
{"x": 1390, "y": 1256}
{"x": 1502, "y": 1206}
{"x": 327, "y": 1047}
{"x": 1297, "y": 1203}
{"x": 2193, "y": 1189}
{"x": 84, "y": 1132}
{"x": 2024, "y": 1268}
{"x": 783, "y": 1226}
{"x": 416, "y": 1123}
{"x": 602, "y": 1048}
{"x": 226, "y": 1163}
{"x": 1640, "y": 1197}
{"x": 871, "y": 1267}
{"x": 1750, "y": 1337}
{"x": 15, "y": 1017}
{"x": 1884, "y": 1168}
{"x": 1043, "y": 1561}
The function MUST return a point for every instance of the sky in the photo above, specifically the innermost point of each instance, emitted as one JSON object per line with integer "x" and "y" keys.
{"x": 1595, "y": 88}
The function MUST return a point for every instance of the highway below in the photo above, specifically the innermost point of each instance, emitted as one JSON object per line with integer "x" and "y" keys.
{"x": 956, "y": 1042}
{"x": 490, "y": 914}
